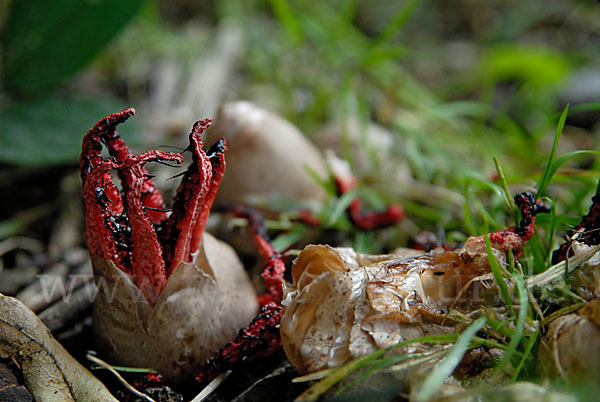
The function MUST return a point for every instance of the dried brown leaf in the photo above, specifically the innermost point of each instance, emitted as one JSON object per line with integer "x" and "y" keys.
{"x": 50, "y": 373}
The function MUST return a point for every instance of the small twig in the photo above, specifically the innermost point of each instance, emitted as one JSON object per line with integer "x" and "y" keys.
{"x": 535, "y": 305}
{"x": 314, "y": 376}
{"x": 69, "y": 309}
{"x": 19, "y": 242}
{"x": 210, "y": 388}
{"x": 129, "y": 387}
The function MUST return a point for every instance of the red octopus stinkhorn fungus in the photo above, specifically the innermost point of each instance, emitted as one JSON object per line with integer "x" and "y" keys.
{"x": 170, "y": 294}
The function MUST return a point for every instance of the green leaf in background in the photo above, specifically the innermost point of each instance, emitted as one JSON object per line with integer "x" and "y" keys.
{"x": 50, "y": 131}
{"x": 45, "y": 41}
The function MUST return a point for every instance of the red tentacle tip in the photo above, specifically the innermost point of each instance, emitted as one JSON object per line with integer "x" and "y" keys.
{"x": 202, "y": 125}
{"x": 128, "y": 235}
{"x": 394, "y": 213}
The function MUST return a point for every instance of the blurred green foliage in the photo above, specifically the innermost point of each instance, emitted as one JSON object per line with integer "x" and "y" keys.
{"x": 455, "y": 84}
{"x": 44, "y": 42}
{"x": 49, "y": 131}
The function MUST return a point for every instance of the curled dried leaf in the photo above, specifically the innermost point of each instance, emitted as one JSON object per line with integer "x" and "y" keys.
{"x": 50, "y": 373}
{"x": 343, "y": 304}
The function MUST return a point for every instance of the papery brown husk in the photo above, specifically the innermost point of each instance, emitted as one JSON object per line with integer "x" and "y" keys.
{"x": 202, "y": 307}
{"x": 571, "y": 347}
{"x": 342, "y": 304}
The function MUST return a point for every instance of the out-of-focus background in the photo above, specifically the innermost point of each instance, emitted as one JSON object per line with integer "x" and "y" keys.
{"x": 418, "y": 96}
{"x": 438, "y": 87}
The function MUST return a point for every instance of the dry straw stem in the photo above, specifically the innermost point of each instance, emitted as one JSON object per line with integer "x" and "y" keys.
{"x": 560, "y": 270}
{"x": 107, "y": 366}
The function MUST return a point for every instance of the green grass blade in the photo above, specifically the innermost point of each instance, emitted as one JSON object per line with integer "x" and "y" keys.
{"x": 520, "y": 326}
{"x": 497, "y": 271}
{"x": 530, "y": 343}
{"x": 126, "y": 369}
{"x": 551, "y": 231}
{"x": 499, "y": 326}
{"x": 478, "y": 342}
{"x": 566, "y": 157}
{"x": 546, "y": 175}
{"x": 286, "y": 16}
{"x": 382, "y": 364}
{"x": 436, "y": 378}
{"x": 507, "y": 197}
{"x": 398, "y": 20}
{"x": 316, "y": 390}
{"x": 585, "y": 107}
{"x": 323, "y": 182}
{"x": 560, "y": 312}
{"x": 286, "y": 240}
{"x": 340, "y": 207}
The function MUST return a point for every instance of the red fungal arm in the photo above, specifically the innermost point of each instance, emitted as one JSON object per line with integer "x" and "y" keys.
{"x": 216, "y": 157}
{"x": 97, "y": 214}
{"x": 260, "y": 337}
{"x": 367, "y": 220}
{"x": 148, "y": 266}
{"x": 119, "y": 228}
{"x": 105, "y": 131}
{"x": 92, "y": 146}
{"x": 516, "y": 237}
{"x": 588, "y": 227}
{"x": 274, "y": 267}
{"x": 272, "y": 274}
{"x": 122, "y": 226}
{"x": 100, "y": 187}
{"x": 178, "y": 229}
{"x": 150, "y": 196}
